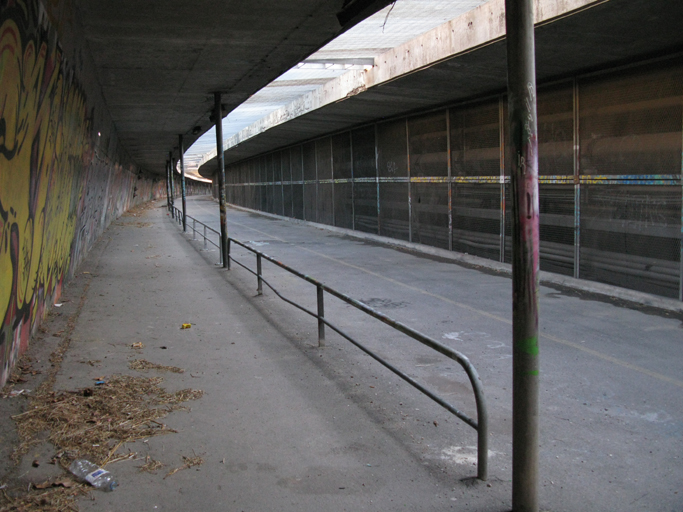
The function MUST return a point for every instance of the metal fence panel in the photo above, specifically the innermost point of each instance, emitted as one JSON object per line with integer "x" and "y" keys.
{"x": 286, "y": 184}
{"x": 394, "y": 215}
{"x": 343, "y": 191}
{"x": 630, "y": 122}
{"x": 364, "y": 167}
{"x": 325, "y": 195}
{"x": 430, "y": 214}
{"x": 476, "y": 219}
{"x": 556, "y": 229}
{"x": 556, "y": 130}
{"x": 263, "y": 189}
{"x": 363, "y": 141}
{"x": 428, "y": 145}
{"x": 277, "y": 183}
{"x": 295, "y": 158}
{"x": 392, "y": 165}
{"x": 365, "y": 207}
{"x": 391, "y": 150}
{"x": 310, "y": 192}
{"x": 630, "y": 236}
{"x": 475, "y": 139}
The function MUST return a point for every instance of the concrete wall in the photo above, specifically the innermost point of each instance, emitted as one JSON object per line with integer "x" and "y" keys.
{"x": 63, "y": 177}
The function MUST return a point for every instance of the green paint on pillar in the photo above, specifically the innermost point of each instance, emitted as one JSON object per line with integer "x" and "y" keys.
{"x": 529, "y": 346}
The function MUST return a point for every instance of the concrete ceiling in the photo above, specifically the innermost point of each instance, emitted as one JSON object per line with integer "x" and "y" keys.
{"x": 159, "y": 62}
{"x": 609, "y": 33}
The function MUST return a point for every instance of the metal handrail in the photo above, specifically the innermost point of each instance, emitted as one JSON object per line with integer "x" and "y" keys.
{"x": 480, "y": 425}
{"x": 177, "y": 216}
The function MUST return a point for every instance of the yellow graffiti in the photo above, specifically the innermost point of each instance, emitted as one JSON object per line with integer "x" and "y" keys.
{"x": 43, "y": 140}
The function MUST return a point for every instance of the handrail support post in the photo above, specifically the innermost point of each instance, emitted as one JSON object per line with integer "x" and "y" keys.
{"x": 259, "y": 289}
{"x": 227, "y": 255}
{"x": 321, "y": 316}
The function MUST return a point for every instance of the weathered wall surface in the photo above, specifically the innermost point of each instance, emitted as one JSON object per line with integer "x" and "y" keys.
{"x": 62, "y": 178}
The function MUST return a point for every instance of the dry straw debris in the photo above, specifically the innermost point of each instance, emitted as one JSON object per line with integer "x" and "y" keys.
{"x": 143, "y": 364}
{"x": 189, "y": 462}
{"x": 55, "y": 499}
{"x": 91, "y": 423}
{"x": 150, "y": 465}
{"x": 97, "y": 421}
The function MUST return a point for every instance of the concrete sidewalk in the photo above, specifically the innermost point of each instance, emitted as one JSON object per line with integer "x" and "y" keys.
{"x": 284, "y": 425}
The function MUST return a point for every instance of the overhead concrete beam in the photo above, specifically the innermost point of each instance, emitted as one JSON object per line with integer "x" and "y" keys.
{"x": 573, "y": 37}
{"x": 479, "y": 27}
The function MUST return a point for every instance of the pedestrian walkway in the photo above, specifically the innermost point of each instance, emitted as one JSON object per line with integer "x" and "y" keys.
{"x": 286, "y": 426}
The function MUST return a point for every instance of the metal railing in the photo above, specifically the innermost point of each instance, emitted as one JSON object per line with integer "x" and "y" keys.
{"x": 177, "y": 215}
{"x": 480, "y": 424}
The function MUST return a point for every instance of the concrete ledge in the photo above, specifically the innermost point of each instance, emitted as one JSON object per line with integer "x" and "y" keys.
{"x": 548, "y": 278}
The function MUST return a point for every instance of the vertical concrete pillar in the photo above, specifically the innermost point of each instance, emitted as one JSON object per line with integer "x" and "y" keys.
{"x": 168, "y": 184}
{"x": 577, "y": 183}
{"x": 519, "y": 20}
{"x": 218, "y": 115}
{"x": 172, "y": 179}
{"x": 181, "y": 150}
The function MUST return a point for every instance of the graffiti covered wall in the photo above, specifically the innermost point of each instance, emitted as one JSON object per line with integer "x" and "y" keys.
{"x": 58, "y": 190}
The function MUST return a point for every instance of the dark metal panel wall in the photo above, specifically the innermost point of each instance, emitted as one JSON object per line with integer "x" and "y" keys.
{"x": 236, "y": 193}
{"x": 556, "y": 196}
{"x": 630, "y": 147}
{"x": 556, "y": 203}
{"x": 273, "y": 189}
{"x": 475, "y": 139}
{"x": 343, "y": 185}
{"x": 630, "y": 236}
{"x": 277, "y": 183}
{"x": 610, "y": 178}
{"x": 253, "y": 179}
{"x": 296, "y": 161}
{"x": 430, "y": 214}
{"x": 428, "y": 140}
{"x": 263, "y": 179}
{"x": 268, "y": 183}
{"x": 393, "y": 180}
{"x": 310, "y": 182}
{"x": 475, "y": 143}
{"x": 630, "y": 122}
{"x": 555, "y": 106}
{"x": 323, "y": 153}
{"x": 287, "y": 205}
{"x": 365, "y": 179}
{"x": 476, "y": 219}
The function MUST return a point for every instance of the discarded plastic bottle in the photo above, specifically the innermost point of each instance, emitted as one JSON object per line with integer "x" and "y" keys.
{"x": 94, "y": 475}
